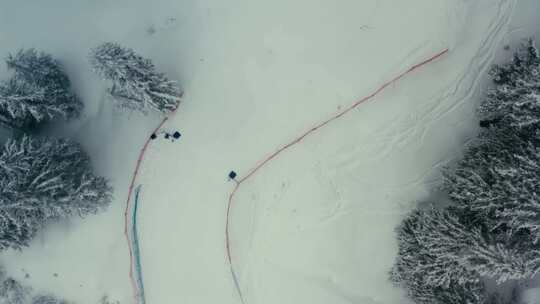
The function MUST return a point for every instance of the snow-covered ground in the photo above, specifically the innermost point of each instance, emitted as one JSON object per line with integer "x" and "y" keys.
{"x": 316, "y": 224}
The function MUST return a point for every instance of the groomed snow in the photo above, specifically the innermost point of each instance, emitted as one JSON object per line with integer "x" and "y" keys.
{"x": 316, "y": 224}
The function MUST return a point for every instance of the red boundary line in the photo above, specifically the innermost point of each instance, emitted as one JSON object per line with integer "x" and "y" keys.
{"x": 128, "y": 200}
{"x": 299, "y": 139}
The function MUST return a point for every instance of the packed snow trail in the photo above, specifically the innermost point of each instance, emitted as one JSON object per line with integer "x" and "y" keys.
{"x": 296, "y": 141}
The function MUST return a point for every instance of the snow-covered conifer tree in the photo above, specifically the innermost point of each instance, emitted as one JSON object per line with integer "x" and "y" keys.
{"x": 106, "y": 300}
{"x": 19, "y": 226}
{"x": 499, "y": 177}
{"x": 514, "y": 101}
{"x": 22, "y": 104}
{"x": 11, "y": 291}
{"x": 430, "y": 264}
{"x": 431, "y": 246}
{"x": 492, "y": 231}
{"x": 442, "y": 260}
{"x": 43, "y": 179}
{"x": 39, "y": 91}
{"x": 47, "y": 299}
{"x": 135, "y": 82}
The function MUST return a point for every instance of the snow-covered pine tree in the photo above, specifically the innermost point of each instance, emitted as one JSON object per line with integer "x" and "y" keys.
{"x": 38, "y": 68}
{"x": 431, "y": 250}
{"x": 497, "y": 182}
{"x": 135, "y": 82}
{"x": 39, "y": 91}
{"x": 499, "y": 177}
{"x": 106, "y": 300}
{"x": 502, "y": 262}
{"x": 43, "y": 179}
{"x": 442, "y": 260}
{"x": 19, "y": 226}
{"x": 493, "y": 231}
{"x": 22, "y": 104}
{"x": 11, "y": 291}
{"x": 514, "y": 101}
{"x": 47, "y": 299}
{"x": 430, "y": 263}
{"x": 468, "y": 293}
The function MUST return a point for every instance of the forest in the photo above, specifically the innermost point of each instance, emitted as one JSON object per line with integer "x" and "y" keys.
{"x": 483, "y": 245}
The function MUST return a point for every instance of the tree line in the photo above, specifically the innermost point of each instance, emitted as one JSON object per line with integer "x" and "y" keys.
{"x": 486, "y": 244}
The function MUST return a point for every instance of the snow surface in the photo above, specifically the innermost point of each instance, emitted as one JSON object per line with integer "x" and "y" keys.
{"x": 316, "y": 224}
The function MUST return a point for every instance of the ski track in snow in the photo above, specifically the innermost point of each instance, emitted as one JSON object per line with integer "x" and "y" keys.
{"x": 138, "y": 292}
{"x": 299, "y": 140}
{"x": 461, "y": 90}
{"x": 252, "y": 69}
{"x": 465, "y": 85}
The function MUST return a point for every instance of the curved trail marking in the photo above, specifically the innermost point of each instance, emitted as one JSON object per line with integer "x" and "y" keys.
{"x": 138, "y": 294}
{"x": 252, "y": 171}
{"x": 134, "y": 240}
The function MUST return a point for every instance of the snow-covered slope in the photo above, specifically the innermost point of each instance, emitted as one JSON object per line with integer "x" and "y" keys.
{"x": 315, "y": 225}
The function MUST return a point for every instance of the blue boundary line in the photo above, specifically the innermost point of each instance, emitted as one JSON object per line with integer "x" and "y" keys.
{"x": 136, "y": 248}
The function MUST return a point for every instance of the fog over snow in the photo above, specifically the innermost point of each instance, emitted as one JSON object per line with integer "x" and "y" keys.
{"x": 316, "y": 224}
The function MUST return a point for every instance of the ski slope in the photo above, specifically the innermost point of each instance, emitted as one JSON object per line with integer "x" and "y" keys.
{"x": 315, "y": 225}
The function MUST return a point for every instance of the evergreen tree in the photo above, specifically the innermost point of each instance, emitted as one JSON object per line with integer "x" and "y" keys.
{"x": 44, "y": 179}
{"x": 499, "y": 177}
{"x": 105, "y": 300}
{"x": 431, "y": 247}
{"x": 39, "y": 91}
{"x": 18, "y": 226}
{"x": 135, "y": 83}
{"x": 47, "y": 299}
{"x": 443, "y": 260}
{"x": 514, "y": 101}
{"x": 431, "y": 263}
{"x": 21, "y": 103}
{"x": 492, "y": 231}
{"x": 11, "y": 291}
